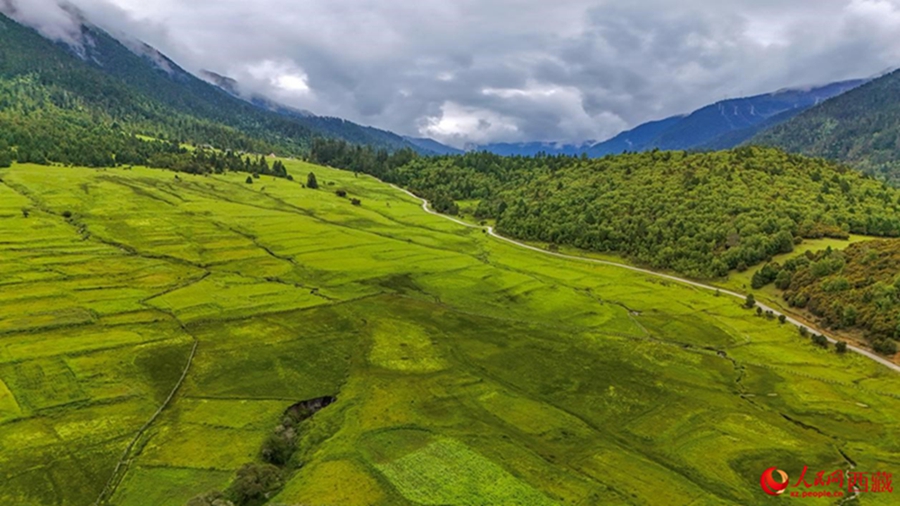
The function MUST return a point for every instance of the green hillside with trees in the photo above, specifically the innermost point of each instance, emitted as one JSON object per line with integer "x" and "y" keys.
{"x": 858, "y": 288}
{"x": 861, "y": 127}
{"x": 699, "y": 214}
{"x": 89, "y": 105}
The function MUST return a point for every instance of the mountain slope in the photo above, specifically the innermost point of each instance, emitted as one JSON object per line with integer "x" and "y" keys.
{"x": 722, "y": 118}
{"x": 433, "y": 146}
{"x": 331, "y": 126}
{"x": 722, "y": 125}
{"x": 104, "y": 83}
{"x": 861, "y": 127}
{"x": 635, "y": 139}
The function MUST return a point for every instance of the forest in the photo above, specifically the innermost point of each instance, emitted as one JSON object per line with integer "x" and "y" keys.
{"x": 699, "y": 214}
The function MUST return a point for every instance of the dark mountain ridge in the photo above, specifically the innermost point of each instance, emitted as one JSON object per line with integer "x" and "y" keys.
{"x": 861, "y": 127}
{"x": 722, "y": 125}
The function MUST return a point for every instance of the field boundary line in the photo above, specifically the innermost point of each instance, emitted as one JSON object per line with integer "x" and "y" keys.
{"x": 121, "y": 466}
{"x": 490, "y": 230}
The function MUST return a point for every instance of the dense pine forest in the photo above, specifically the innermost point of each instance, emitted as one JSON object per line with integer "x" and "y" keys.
{"x": 699, "y": 214}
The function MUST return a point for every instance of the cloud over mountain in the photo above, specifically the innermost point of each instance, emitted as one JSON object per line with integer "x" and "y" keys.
{"x": 504, "y": 70}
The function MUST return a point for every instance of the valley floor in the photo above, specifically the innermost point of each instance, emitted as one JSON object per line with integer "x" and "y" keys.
{"x": 467, "y": 370}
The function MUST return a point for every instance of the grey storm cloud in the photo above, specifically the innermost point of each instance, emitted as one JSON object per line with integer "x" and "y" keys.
{"x": 475, "y": 71}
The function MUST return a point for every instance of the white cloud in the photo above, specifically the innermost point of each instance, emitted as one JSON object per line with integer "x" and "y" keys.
{"x": 46, "y": 16}
{"x": 457, "y": 124}
{"x": 283, "y": 75}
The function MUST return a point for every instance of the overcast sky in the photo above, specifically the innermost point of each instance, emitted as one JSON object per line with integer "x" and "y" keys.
{"x": 481, "y": 71}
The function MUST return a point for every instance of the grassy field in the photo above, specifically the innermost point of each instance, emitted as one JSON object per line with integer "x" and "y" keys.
{"x": 467, "y": 371}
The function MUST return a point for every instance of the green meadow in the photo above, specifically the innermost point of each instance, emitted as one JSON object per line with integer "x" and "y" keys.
{"x": 467, "y": 371}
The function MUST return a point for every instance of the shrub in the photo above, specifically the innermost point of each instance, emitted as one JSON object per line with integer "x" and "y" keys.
{"x": 249, "y": 180}
{"x": 804, "y": 332}
{"x": 280, "y": 445}
{"x": 750, "y": 302}
{"x": 255, "y": 483}
{"x": 782, "y": 319}
{"x": 820, "y": 340}
{"x": 311, "y": 181}
{"x": 341, "y": 193}
{"x": 885, "y": 346}
{"x": 356, "y": 202}
{"x": 67, "y": 214}
{"x": 214, "y": 498}
{"x": 841, "y": 347}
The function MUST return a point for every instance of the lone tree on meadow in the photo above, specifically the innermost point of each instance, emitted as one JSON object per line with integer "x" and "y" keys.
{"x": 249, "y": 179}
{"x": 750, "y": 302}
{"x": 311, "y": 181}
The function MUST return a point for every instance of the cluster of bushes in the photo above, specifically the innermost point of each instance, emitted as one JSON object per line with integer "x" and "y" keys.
{"x": 858, "y": 288}
{"x": 257, "y": 482}
{"x": 822, "y": 341}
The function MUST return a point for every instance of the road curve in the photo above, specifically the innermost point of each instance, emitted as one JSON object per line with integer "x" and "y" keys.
{"x": 490, "y": 230}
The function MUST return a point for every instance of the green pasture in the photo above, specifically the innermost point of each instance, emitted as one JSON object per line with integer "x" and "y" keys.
{"x": 467, "y": 371}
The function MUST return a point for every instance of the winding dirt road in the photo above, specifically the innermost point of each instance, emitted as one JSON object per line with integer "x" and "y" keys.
{"x": 490, "y": 230}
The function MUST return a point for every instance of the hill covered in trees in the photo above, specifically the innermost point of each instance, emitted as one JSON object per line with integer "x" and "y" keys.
{"x": 858, "y": 288}
{"x": 698, "y": 214}
{"x": 861, "y": 127}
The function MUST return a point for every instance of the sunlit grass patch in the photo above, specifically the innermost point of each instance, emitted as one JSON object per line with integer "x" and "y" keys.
{"x": 334, "y": 483}
{"x": 167, "y": 486}
{"x": 444, "y": 471}
{"x": 404, "y": 346}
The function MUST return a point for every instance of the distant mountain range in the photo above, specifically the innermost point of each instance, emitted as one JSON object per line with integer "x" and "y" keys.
{"x": 433, "y": 146}
{"x": 722, "y": 125}
{"x": 861, "y": 127}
